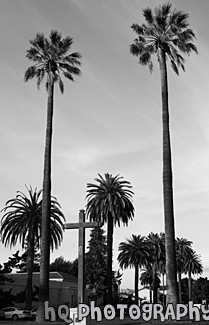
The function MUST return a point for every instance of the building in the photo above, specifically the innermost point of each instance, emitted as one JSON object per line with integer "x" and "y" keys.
{"x": 63, "y": 287}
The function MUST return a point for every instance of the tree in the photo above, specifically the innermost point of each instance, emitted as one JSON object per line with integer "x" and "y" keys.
{"x": 51, "y": 60}
{"x": 201, "y": 290}
{"x": 134, "y": 252}
{"x": 183, "y": 253}
{"x": 22, "y": 265}
{"x": 110, "y": 201}
{"x": 147, "y": 278}
{"x": 22, "y": 221}
{"x": 61, "y": 265}
{"x": 8, "y": 267}
{"x": 165, "y": 34}
{"x": 193, "y": 266}
{"x": 157, "y": 251}
{"x": 96, "y": 264}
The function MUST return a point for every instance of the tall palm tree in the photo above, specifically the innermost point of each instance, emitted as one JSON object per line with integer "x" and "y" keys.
{"x": 183, "y": 253}
{"x": 165, "y": 34}
{"x": 134, "y": 252}
{"x": 157, "y": 250}
{"x": 22, "y": 221}
{"x": 110, "y": 201}
{"x": 52, "y": 59}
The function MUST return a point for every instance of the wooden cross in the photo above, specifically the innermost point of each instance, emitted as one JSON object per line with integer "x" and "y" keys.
{"x": 81, "y": 225}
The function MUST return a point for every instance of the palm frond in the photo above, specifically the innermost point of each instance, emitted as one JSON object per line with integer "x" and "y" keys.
{"x": 148, "y": 15}
{"x": 138, "y": 29}
{"x": 30, "y": 73}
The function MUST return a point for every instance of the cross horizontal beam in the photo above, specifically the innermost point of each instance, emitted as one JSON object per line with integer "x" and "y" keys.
{"x": 77, "y": 225}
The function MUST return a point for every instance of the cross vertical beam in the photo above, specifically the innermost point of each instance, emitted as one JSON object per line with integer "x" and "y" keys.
{"x": 81, "y": 225}
{"x": 81, "y": 261}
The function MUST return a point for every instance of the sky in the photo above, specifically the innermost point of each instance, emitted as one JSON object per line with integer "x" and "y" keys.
{"x": 108, "y": 120}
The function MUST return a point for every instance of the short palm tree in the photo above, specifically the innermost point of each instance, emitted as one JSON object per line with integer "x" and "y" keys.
{"x": 157, "y": 251}
{"x": 110, "y": 201}
{"x": 22, "y": 221}
{"x": 183, "y": 253}
{"x": 134, "y": 252}
{"x": 147, "y": 278}
{"x": 51, "y": 60}
{"x": 193, "y": 265}
{"x": 165, "y": 34}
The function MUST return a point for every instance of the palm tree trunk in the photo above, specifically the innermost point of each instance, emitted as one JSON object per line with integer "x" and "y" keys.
{"x": 163, "y": 289}
{"x": 171, "y": 280}
{"x": 155, "y": 288}
{"x": 109, "y": 257}
{"x": 190, "y": 286}
{"x": 30, "y": 258}
{"x": 179, "y": 285}
{"x": 136, "y": 284}
{"x": 150, "y": 295}
{"x": 46, "y": 202}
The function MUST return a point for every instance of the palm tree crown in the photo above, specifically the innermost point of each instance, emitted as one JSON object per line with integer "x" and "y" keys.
{"x": 166, "y": 31}
{"x": 52, "y": 59}
{"x": 112, "y": 196}
{"x": 23, "y": 216}
{"x": 183, "y": 253}
{"x": 134, "y": 251}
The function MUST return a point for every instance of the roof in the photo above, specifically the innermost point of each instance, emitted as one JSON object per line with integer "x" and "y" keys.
{"x": 63, "y": 276}
{"x": 54, "y": 276}
{"x": 127, "y": 291}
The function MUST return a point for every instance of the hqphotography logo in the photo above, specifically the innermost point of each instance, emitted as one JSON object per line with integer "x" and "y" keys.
{"x": 146, "y": 312}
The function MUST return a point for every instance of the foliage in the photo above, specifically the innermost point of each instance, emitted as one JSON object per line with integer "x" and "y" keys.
{"x": 6, "y": 296}
{"x": 62, "y": 265}
{"x": 166, "y": 29}
{"x": 22, "y": 265}
{"x": 52, "y": 58}
{"x": 96, "y": 264}
{"x": 183, "y": 253}
{"x": 22, "y": 220}
{"x": 8, "y": 267}
{"x": 201, "y": 290}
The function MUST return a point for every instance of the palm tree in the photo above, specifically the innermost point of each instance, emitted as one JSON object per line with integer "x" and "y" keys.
{"x": 147, "y": 278}
{"x": 183, "y": 254}
{"x": 157, "y": 251}
{"x": 51, "y": 59}
{"x": 134, "y": 252}
{"x": 22, "y": 221}
{"x": 193, "y": 266}
{"x": 110, "y": 201}
{"x": 165, "y": 34}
